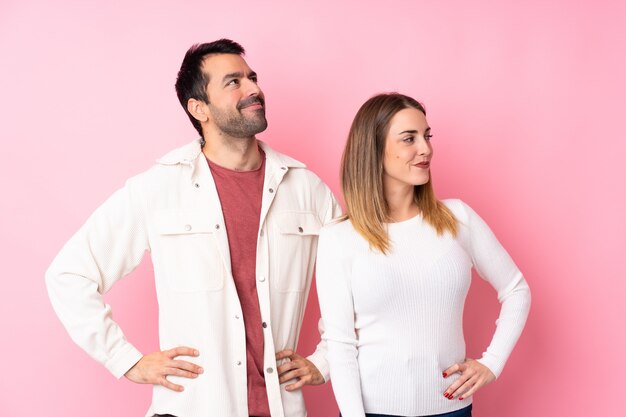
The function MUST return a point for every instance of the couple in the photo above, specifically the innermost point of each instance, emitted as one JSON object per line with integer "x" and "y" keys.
{"x": 232, "y": 228}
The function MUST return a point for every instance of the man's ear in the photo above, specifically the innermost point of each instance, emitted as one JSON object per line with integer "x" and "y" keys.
{"x": 198, "y": 109}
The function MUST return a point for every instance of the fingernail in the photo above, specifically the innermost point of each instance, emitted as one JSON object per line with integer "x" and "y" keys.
{"x": 450, "y": 396}
{"x": 200, "y": 370}
{"x": 445, "y": 394}
{"x": 195, "y": 352}
{"x": 445, "y": 374}
{"x": 460, "y": 398}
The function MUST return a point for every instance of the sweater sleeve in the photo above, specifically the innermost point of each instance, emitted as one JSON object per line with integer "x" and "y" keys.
{"x": 494, "y": 264}
{"x": 336, "y": 305}
{"x": 107, "y": 247}
{"x": 330, "y": 210}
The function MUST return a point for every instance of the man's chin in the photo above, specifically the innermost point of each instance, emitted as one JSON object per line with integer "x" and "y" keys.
{"x": 259, "y": 124}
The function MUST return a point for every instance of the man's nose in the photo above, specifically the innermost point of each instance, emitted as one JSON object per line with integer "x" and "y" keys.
{"x": 252, "y": 88}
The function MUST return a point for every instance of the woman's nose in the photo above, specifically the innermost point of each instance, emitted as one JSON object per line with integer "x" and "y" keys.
{"x": 423, "y": 147}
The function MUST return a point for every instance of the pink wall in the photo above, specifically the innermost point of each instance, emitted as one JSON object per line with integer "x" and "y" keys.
{"x": 526, "y": 103}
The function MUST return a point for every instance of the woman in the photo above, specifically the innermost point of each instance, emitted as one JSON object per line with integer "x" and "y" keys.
{"x": 393, "y": 275}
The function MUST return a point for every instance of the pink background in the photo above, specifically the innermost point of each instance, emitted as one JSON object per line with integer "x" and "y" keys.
{"x": 527, "y": 107}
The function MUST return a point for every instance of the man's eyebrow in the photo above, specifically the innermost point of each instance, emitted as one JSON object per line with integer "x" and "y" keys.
{"x": 238, "y": 74}
{"x": 228, "y": 76}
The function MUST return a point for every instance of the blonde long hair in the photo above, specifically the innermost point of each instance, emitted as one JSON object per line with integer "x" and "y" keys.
{"x": 362, "y": 174}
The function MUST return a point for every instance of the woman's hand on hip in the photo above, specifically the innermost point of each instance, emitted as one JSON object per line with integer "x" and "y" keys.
{"x": 474, "y": 376}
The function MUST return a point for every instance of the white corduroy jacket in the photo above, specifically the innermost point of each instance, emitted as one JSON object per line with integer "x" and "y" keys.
{"x": 173, "y": 212}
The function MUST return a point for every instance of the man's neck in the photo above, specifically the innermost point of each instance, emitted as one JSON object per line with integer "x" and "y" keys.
{"x": 237, "y": 154}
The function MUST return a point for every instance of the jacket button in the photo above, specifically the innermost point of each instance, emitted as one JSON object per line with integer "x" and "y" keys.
{"x": 217, "y": 226}
{"x": 269, "y": 370}
{"x": 237, "y": 316}
{"x": 187, "y": 227}
{"x": 271, "y": 190}
{"x": 261, "y": 278}
{"x": 238, "y": 363}
{"x": 300, "y": 229}
{"x": 264, "y": 325}
{"x": 197, "y": 185}
{"x": 261, "y": 232}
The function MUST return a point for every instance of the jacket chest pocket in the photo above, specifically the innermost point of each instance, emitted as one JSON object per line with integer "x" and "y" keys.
{"x": 189, "y": 255}
{"x": 293, "y": 250}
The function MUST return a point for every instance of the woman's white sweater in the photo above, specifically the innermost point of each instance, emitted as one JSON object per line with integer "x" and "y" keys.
{"x": 394, "y": 322}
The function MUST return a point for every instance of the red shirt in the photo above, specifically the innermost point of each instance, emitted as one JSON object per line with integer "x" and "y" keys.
{"x": 240, "y": 194}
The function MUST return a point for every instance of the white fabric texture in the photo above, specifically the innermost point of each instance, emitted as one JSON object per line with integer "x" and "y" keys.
{"x": 173, "y": 212}
{"x": 394, "y": 322}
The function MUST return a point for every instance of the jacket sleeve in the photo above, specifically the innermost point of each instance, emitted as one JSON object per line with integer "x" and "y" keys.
{"x": 494, "y": 264}
{"x": 329, "y": 210}
{"x": 336, "y": 304}
{"x": 106, "y": 248}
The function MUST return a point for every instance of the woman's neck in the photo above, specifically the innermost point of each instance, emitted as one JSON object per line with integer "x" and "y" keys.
{"x": 401, "y": 202}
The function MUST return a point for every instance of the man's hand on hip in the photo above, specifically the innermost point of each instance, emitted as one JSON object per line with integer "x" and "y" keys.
{"x": 155, "y": 367}
{"x": 299, "y": 368}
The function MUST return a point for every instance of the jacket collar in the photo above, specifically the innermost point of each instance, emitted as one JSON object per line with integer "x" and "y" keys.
{"x": 189, "y": 153}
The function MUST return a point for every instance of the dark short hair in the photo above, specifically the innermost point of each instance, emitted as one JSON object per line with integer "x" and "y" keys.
{"x": 191, "y": 81}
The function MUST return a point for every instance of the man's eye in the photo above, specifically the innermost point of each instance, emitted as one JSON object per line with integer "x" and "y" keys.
{"x": 254, "y": 79}
{"x": 427, "y": 137}
{"x": 233, "y": 82}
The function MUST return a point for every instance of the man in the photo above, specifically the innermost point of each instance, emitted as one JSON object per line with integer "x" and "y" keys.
{"x": 231, "y": 226}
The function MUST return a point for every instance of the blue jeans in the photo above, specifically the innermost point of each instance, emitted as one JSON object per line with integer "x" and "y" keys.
{"x": 463, "y": 412}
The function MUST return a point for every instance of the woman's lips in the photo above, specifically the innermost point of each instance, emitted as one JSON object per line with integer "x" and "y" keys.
{"x": 423, "y": 165}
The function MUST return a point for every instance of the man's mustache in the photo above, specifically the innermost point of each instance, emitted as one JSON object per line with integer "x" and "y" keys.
{"x": 250, "y": 101}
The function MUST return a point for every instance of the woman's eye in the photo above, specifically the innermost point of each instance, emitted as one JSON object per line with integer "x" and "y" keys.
{"x": 409, "y": 139}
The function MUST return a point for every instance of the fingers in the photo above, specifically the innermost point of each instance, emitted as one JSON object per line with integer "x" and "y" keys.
{"x": 294, "y": 368}
{"x": 296, "y": 373}
{"x": 291, "y": 370}
{"x": 459, "y": 391}
{"x": 471, "y": 391}
{"x": 474, "y": 375}
{"x": 294, "y": 364}
{"x": 451, "y": 390}
{"x": 179, "y": 372}
{"x": 297, "y": 385}
{"x": 287, "y": 353}
{"x": 451, "y": 370}
{"x": 187, "y": 366}
{"x": 181, "y": 351}
{"x": 179, "y": 368}
{"x": 182, "y": 369}
{"x": 169, "y": 385}
{"x": 155, "y": 367}
{"x": 298, "y": 368}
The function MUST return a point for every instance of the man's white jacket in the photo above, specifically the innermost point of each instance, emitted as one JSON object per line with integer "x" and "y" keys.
{"x": 173, "y": 212}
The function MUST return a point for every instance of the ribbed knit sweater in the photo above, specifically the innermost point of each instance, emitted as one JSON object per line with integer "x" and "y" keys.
{"x": 394, "y": 322}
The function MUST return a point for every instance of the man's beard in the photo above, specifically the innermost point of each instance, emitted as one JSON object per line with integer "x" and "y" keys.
{"x": 235, "y": 124}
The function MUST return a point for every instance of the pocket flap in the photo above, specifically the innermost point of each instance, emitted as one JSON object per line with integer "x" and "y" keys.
{"x": 183, "y": 222}
{"x": 298, "y": 223}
